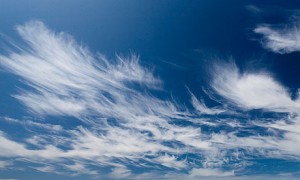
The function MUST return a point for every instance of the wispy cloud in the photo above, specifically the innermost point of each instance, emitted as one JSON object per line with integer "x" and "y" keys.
{"x": 257, "y": 90}
{"x": 128, "y": 124}
{"x": 123, "y": 127}
{"x": 67, "y": 79}
{"x": 200, "y": 106}
{"x": 5, "y": 164}
{"x": 201, "y": 172}
{"x": 280, "y": 39}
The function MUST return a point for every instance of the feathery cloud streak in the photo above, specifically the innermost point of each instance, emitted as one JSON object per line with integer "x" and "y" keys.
{"x": 280, "y": 40}
{"x": 64, "y": 78}
{"x": 123, "y": 125}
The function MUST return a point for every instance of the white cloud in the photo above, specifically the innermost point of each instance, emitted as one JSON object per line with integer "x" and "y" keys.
{"x": 252, "y": 90}
{"x": 31, "y": 123}
{"x": 47, "y": 169}
{"x": 66, "y": 79}
{"x": 5, "y": 164}
{"x": 120, "y": 172}
{"x": 79, "y": 168}
{"x": 204, "y": 172}
{"x": 200, "y": 106}
{"x": 124, "y": 127}
{"x": 11, "y": 148}
{"x": 280, "y": 40}
{"x": 170, "y": 161}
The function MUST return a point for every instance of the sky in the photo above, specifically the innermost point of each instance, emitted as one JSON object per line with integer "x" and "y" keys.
{"x": 99, "y": 89}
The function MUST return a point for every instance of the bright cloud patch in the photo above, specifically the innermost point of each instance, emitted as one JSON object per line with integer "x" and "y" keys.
{"x": 252, "y": 90}
{"x": 125, "y": 131}
{"x": 283, "y": 40}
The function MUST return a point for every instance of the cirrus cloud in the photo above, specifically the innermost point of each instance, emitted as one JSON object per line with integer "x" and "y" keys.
{"x": 122, "y": 126}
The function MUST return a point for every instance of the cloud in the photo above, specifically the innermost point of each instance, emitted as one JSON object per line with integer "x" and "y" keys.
{"x": 281, "y": 39}
{"x": 201, "y": 172}
{"x": 31, "y": 123}
{"x": 66, "y": 78}
{"x": 79, "y": 168}
{"x": 5, "y": 164}
{"x": 170, "y": 161}
{"x": 252, "y": 90}
{"x": 200, "y": 106}
{"x": 120, "y": 172}
{"x": 119, "y": 120}
{"x": 253, "y": 9}
{"x": 258, "y": 90}
{"x": 121, "y": 127}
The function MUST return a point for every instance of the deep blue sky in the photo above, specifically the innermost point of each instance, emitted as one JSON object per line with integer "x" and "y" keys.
{"x": 189, "y": 46}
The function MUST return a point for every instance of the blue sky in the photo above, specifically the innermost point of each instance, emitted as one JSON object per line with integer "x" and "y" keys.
{"x": 149, "y": 89}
